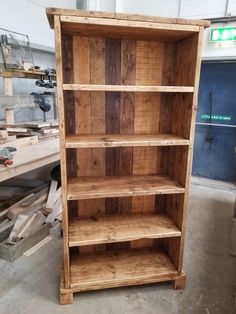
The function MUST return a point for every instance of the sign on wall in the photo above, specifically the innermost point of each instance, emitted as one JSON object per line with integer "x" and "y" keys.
{"x": 222, "y": 34}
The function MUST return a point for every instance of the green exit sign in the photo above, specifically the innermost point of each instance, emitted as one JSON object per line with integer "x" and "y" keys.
{"x": 223, "y": 34}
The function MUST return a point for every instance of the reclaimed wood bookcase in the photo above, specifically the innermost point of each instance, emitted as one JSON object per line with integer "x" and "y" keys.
{"x": 127, "y": 90}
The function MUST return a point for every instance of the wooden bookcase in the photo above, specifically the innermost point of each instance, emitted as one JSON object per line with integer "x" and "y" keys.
{"x": 127, "y": 90}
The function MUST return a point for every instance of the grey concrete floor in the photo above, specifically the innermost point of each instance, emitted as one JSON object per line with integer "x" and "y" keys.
{"x": 30, "y": 285}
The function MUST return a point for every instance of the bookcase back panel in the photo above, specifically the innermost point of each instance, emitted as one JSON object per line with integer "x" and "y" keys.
{"x": 171, "y": 205}
{"x": 115, "y": 61}
{"x": 128, "y": 113}
{"x": 111, "y": 61}
{"x": 123, "y": 161}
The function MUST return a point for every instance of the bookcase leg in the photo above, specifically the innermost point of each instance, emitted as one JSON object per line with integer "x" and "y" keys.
{"x": 179, "y": 283}
{"x": 66, "y": 298}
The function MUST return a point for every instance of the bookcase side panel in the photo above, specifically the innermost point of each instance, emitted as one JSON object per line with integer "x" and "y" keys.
{"x": 60, "y": 102}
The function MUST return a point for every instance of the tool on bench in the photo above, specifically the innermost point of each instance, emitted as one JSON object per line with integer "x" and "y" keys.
{"x": 6, "y": 157}
{"x": 48, "y": 74}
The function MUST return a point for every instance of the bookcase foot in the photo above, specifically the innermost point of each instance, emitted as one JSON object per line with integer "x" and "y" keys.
{"x": 179, "y": 283}
{"x": 66, "y": 298}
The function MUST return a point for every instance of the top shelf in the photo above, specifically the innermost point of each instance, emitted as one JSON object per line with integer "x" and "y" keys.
{"x": 128, "y": 88}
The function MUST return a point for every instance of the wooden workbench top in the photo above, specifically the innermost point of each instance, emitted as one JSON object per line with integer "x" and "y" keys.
{"x": 31, "y": 158}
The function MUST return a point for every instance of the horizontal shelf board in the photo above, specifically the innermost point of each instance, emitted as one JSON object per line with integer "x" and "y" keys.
{"x": 128, "y": 88}
{"x": 109, "y": 229}
{"x": 101, "y": 187}
{"x": 123, "y": 140}
{"x": 119, "y": 268}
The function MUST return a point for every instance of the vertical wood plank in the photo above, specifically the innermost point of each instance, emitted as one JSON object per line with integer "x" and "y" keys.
{"x": 61, "y": 117}
{"x": 112, "y": 117}
{"x": 8, "y": 91}
{"x": 112, "y": 112}
{"x": 82, "y": 102}
{"x": 128, "y": 73}
{"x": 168, "y": 78}
{"x": 97, "y": 112}
{"x": 81, "y": 60}
{"x": 149, "y": 64}
{"x": 97, "y": 70}
{"x": 68, "y": 76}
{"x": 185, "y": 61}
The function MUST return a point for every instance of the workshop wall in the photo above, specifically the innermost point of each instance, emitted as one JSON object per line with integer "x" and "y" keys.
{"x": 200, "y": 9}
{"x": 26, "y": 86}
{"x": 29, "y": 17}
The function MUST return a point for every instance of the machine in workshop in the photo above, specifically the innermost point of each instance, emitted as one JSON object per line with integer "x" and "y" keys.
{"x": 6, "y": 158}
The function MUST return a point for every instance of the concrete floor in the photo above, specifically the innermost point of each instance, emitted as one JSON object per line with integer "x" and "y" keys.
{"x": 30, "y": 285}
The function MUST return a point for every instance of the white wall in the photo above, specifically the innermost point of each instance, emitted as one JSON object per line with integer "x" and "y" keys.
{"x": 29, "y": 17}
{"x": 223, "y": 51}
{"x": 149, "y": 7}
{"x": 178, "y": 8}
{"x": 195, "y": 9}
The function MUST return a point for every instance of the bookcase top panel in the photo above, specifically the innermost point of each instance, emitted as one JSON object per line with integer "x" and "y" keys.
{"x": 122, "y": 16}
{"x": 100, "y": 24}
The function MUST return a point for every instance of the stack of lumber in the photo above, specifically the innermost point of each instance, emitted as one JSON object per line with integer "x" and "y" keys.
{"x": 18, "y": 143}
{"x": 35, "y": 129}
{"x": 44, "y": 130}
{"x": 28, "y": 220}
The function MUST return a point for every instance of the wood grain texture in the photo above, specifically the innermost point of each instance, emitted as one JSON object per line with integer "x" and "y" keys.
{"x": 115, "y": 28}
{"x": 112, "y": 114}
{"x": 69, "y": 99}
{"x": 128, "y": 71}
{"x": 129, "y": 88}
{"x": 82, "y": 105}
{"x": 123, "y": 140}
{"x": 135, "y": 34}
{"x": 149, "y": 56}
{"x": 123, "y": 16}
{"x": 197, "y": 61}
{"x": 61, "y": 114}
{"x": 119, "y": 268}
{"x": 124, "y": 25}
{"x": 82, "y": 101}
{"x": 82, "y": 74}
{"x": 180, "y": 282}
{"x": 120, "y": 228}
{"x": 185, "y": 61}
{"x": 97, "y": 111}
{"x": 113, "y": 186}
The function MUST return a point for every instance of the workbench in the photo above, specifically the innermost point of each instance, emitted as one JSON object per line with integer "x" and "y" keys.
{"x": 31, "y": 158}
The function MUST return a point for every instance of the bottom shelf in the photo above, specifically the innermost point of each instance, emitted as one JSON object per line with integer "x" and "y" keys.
{"x": 92, "y": 271}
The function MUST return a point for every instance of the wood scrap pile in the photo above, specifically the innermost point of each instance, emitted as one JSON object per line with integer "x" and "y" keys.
{"x": 39, "y": 130}
{"x": 26, "y": 216}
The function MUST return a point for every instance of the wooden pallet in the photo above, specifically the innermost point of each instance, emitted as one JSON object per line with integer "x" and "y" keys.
{"x": 127, "y": 90}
